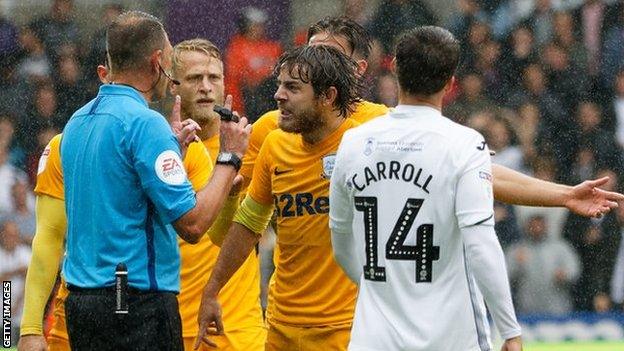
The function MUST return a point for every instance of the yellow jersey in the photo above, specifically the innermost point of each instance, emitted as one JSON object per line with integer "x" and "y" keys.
{"x": 308, "y": 288}
{"x": 364, "y": 112}
{"x": 240, "y": 297}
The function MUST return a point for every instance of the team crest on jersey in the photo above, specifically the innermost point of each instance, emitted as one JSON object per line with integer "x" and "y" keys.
{"x": 169, "y": 168}
{"x": 369, "y": 147}
{"x": 43, "y": 160}
{"x": 328, "y": 165}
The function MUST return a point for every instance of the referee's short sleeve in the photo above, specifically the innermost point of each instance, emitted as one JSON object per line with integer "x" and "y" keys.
{"x": 157, "y": 160}
{"x": 474, "y": 199}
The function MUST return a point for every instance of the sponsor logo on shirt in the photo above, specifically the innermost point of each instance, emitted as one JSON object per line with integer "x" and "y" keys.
{"x": 169, "y": 168}
{"x": 485, "y": 175}
{"x": 369, "y": 147}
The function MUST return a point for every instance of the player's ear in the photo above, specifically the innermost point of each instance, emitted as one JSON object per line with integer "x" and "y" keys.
{"x": 393, "y": 65}
{"x": 330, "y": 95}
{"x": 362, "y": 66}
{"x": 449, "y": 85}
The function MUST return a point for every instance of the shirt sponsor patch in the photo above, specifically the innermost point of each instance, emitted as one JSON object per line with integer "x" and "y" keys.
{"x": 43, "y": 160}
{"x": 169, "y": 168}
{"x": 485, "y": 175}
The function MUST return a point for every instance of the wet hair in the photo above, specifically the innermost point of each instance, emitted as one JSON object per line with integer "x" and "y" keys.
{"x": 199, "y": 45}
{"x": 323, "y": 67}
{"x": 345, "y": 27}
{"x": 131, "y": 39}
{"x": 426, "y": 59}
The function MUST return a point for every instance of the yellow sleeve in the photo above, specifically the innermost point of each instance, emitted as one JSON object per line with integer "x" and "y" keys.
{"x": 222, "y": 224}
{"x": 198, "y": 165}
{"x": 49, "y": 171}
{"x": 261, "y": 128}
{"x": 47, "y": 251}
{"x": 260, "y": 186}
{"x": 254, "y": 215}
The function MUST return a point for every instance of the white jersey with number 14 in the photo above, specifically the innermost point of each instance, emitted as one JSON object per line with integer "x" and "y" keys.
{"x": 405, "y": 184}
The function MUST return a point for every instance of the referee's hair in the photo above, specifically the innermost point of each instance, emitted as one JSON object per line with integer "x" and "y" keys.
{"x": 426, "y": 59}
{"x": 323, "y": 67}
{"x": 131, "y": 39}
{"x": 355, "y": 34}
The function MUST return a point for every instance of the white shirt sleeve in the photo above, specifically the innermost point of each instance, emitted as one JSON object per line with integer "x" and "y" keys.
{"x": 484, "y": 255}
{"x": 341, "y": 218}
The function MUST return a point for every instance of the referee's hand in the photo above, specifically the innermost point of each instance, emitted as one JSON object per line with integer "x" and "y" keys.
{"x": 210, "y": 321}
{"x": 32, "y": 343}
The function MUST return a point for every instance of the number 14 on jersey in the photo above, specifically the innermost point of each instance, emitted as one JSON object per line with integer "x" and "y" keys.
{"x": 423, "y": 253}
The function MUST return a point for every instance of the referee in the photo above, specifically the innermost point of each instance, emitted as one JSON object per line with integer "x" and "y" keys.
{"x": 126, "y": 190}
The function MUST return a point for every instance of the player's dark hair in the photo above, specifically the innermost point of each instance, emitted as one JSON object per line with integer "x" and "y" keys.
{"x": 323, "y": 67}
{"x": 355, "y": 34}
{"x": 131, "y": 39}
{"x": 426, "y": 58}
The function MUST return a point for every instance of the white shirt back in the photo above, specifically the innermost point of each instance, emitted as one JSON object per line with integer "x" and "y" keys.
{"x": 407, "y": 183}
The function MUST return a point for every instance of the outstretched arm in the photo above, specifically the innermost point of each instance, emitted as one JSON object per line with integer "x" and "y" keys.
{"x": 584, "y": 199}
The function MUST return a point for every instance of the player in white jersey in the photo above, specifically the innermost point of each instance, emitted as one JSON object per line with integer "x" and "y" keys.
{"x": 412, "y": 217}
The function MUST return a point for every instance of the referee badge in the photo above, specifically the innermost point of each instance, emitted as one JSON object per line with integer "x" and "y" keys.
{"x": 328, "y": 165}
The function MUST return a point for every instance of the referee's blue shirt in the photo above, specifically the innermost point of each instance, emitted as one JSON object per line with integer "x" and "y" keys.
{"x": 124, "y": 185}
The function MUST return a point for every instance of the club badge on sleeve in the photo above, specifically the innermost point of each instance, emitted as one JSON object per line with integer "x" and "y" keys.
{"x": 328, "y": 165}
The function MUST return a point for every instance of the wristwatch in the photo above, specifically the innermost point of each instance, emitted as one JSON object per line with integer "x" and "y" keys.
{"x": 230, "y": 159}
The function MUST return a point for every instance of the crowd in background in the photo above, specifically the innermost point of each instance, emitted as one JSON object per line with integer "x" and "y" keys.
{"x": 546, "y": 89}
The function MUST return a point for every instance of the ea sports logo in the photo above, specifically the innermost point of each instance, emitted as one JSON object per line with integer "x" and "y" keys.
{"x": 169, "y": 168}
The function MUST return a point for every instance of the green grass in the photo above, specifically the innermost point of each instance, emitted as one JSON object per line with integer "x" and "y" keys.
{"x": 576, "y": 346}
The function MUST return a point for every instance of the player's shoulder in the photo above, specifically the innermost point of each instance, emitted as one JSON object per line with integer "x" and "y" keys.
{"x": 268, "y": 121}
{"x": 366, "y": 111}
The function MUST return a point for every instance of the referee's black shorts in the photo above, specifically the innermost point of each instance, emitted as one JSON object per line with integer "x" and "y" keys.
{"x": 152, "y": 323}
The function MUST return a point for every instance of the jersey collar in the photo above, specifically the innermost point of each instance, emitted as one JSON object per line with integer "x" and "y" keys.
{"x": 118, "y": 89}
{"x": 404, "y": 111}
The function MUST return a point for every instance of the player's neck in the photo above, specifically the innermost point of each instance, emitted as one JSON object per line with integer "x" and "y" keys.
{"x": 434, "y": 101}
{"x": 209, "y": 129}
{"x": 331, "y": 122}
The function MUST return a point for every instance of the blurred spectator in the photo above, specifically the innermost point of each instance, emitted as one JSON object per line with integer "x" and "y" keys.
{"x": 614, "y": 118}
{"x": 613, "y": 53}
{"x": 589, "y": 19}
{"x": 520, "y": 53}
{"x": 15, "y": 258}
{"x": 596, "y": 242}
{"x": 543, "y": 168}
{"x": 249, "y": 62}
{"x": 470, "y": 99}
{"x": 617, "y": 281}
{"x": 35, "y": 65}
{"x": 8, "y": 33}
{"x": 501, "y": 138}
{"x": 602, "y": 144}
{"x": 357, "y": 11}
{"x": 23, "y": 213}
{"x": 9, "y": 174}
{"x": 395, "y": 16}
{"x": 563, "y": 35}
{"x": 44, "y": 114}
{"x": 97, "y": 51}
{"x": 468, "y": 11}
{"x": 7, "y": 131}
{"x": 541, "y": 21}
{"x": 72, "y": 90}
{"x": 542, "y": 270}
{"x": 14, "y": 92}
{"x": 506, "y": 225}
{"x": 487, "y": 65}
{"x": 478, "y": 35}
{"x": 58, "y": 28}
{"x": 569, "y": 84}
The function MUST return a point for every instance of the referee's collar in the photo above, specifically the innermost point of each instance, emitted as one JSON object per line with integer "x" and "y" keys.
{"x": 410, "y": 110}
{"x": 119, "y": 89}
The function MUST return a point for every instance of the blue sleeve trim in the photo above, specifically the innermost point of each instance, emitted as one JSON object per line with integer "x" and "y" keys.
{"x": 151, "y": 251}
